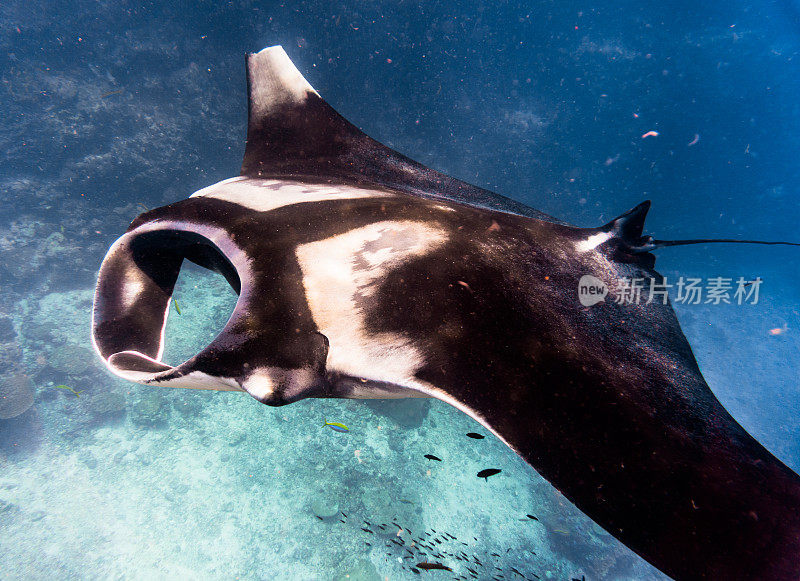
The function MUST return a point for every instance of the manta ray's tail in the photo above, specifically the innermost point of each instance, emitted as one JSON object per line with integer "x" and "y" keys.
{"x": 653, "y": 244}
{"x": 627, "y": 229}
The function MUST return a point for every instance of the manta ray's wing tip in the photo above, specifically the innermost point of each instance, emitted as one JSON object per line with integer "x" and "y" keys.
{"x": 274, "y": 81}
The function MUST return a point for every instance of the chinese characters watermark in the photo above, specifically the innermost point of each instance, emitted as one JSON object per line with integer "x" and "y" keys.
{"x": 687, "y": 290}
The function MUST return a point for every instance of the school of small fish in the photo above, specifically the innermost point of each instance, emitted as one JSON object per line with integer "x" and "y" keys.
{"x": 433, "y": 551}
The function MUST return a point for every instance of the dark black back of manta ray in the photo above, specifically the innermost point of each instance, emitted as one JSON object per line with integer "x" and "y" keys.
{"x": 605, "y": 402}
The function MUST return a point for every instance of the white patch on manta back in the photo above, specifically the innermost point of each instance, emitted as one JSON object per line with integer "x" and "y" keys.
{"x": 593, "y": 241}
{"x": 338, "y": 271}
{"x": 264, "y": 195}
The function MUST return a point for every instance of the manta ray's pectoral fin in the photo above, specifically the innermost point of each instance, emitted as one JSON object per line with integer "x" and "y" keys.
{"x": 292, "y": 132}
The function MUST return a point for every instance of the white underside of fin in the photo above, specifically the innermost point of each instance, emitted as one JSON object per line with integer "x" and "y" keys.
{"x": 192, "y": 380}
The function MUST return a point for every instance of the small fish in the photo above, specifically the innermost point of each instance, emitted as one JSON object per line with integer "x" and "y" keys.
{"x": 432, "y": 457}
{"x": 433, "y": 566}
{"x": 406, "y": 501}
{"x": 68, "y": 388}
{"x": 559, "y": 531}
{"x": 530, "y": 516}
{"x": 366, "y": 530}
{"x": 344, "y": 515}
{"x": 416, "y": 571}
{"x": 475, "y": 436}
{"x": 488, "y": 472}
{"x": 177, "y": 308}
{"x": 337, "y": 427}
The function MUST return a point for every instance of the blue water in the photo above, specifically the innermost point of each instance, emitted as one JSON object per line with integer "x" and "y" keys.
{"x": 110, "y": 108}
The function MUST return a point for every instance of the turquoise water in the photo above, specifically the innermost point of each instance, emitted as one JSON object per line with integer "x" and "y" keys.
{"x": 111, "y": 109}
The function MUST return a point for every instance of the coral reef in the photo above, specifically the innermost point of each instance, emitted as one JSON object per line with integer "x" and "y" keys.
{"x": 16, "y": 395}
{"x": 406, "y": 413}
{"x": 324, "y": 508}
{"x": 105, "y": 406}
{"x": 71, "y": 359}
{"x": 7, "y": 332}
{"x": 150, "y": 410}
{"x": 361, "y": 570}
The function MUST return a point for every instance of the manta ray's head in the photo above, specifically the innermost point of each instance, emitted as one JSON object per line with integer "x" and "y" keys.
{"x": 269, "y": 346}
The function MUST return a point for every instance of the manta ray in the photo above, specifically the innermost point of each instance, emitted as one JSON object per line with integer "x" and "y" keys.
{"x": 363, "y": 274}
